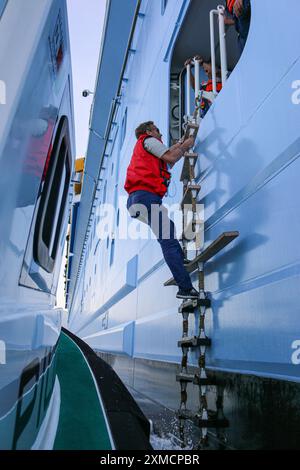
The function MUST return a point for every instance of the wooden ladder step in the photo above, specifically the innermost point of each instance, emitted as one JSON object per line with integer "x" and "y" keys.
{"x": 193, "y": 342}
{"x": 203, "y": 423}
{"x": 193, "y": 155}
{"x": 191, "y": 130}
{"x": 195, "y": 379}
{"x": 189, "y": 162}
{"x": 190, "y": 194}
{"x": 221, "y": 242}
{"x": 189, "y": 306}
{"x": 184, "y": 377}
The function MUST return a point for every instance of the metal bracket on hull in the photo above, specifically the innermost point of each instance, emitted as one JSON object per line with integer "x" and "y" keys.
{"x": 217, "y": 245}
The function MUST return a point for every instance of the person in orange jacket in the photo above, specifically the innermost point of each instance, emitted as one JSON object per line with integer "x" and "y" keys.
{"x": 238, "y": 13}
{"x": 206, "y": 85}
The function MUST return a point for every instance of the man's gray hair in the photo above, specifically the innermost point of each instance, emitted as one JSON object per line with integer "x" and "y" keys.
{"x": 143, "y": 128}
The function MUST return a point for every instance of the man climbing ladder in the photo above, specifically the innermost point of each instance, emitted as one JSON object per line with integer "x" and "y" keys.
{"x": 147, "y": 182}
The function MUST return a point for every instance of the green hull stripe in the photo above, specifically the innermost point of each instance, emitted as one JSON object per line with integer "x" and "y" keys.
{"x": 81, "y": 424}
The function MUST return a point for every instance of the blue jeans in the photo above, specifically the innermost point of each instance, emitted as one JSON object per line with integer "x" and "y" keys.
{"x": 164, "y": 230}
{"x": 242, "y": 24}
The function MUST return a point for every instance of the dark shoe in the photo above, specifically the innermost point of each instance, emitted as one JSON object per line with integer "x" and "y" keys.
{"x": 187, "y": 294}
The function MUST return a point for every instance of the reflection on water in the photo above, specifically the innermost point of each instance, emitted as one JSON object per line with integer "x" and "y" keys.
{"x": 164, "y": 425}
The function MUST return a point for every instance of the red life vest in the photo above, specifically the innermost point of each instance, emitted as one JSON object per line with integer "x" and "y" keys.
{"x": 230, "y": 5}
{"x": 208, "y": 86}
{"x": 146, "y": 172}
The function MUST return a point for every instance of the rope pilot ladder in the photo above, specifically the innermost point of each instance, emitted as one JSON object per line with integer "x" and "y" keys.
{"x": 204, "y": 418}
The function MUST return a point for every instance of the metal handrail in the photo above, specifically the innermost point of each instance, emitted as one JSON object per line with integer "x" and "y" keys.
{"x": 196, "y": 64}
{"x": 212, "y": 49}
{"x": 223, "y": 51}
{"x": 197, "y": 77}
{"x": 188, "y": 88}
{"x": 220, "y": 12}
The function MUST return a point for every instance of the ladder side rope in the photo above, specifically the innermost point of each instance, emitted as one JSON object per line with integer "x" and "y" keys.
{"x": 204, "y": 418}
